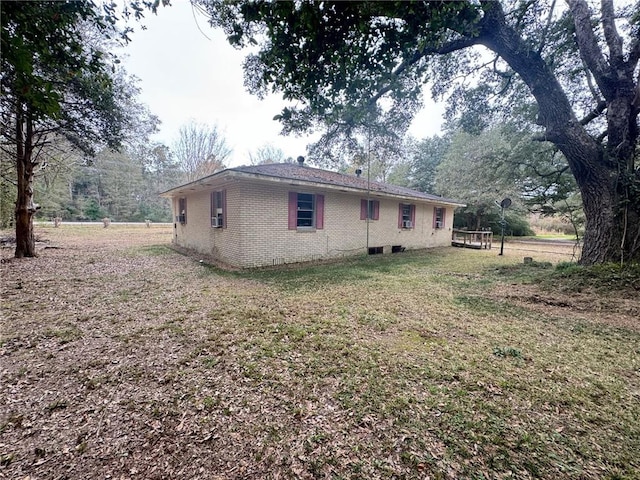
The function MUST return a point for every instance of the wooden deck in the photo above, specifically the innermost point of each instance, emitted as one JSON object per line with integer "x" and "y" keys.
{"x": 472, "y": 239}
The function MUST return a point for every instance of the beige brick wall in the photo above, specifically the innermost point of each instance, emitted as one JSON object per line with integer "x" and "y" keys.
{"x": 197, "y": 234}
{"x": 257, "y": 231}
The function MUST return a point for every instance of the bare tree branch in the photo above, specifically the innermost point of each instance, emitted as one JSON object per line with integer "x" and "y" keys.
{"x": 201, "y": 150}
{"x": 595, "y": 113}
{"x": 544, "y": 35}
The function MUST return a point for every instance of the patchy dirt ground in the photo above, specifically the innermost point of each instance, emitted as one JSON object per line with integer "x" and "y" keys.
{"x": 617, "y": 309}
{"x": 122, "y": 359}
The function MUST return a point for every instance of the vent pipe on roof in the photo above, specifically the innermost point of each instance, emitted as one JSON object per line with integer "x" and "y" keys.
{"x": 358, "y": 172}
{"x": 300, "y": 160}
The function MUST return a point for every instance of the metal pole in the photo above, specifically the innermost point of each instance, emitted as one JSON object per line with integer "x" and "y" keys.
{"x": 368, "y": 180}
{"x": 502, "y": 234}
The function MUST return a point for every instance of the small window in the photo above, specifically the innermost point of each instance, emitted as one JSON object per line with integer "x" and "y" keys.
{"x": 218, "y": 209}
{"x": 182, "y": 211}
{"x": 306, "y": 211}
{"x": 369, "y": 209}
{"x": 406, "y": 216}
{"x": 439, "y": 214}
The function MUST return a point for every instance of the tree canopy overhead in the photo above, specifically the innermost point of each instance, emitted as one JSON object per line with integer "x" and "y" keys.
{"x": 572, "y": 68}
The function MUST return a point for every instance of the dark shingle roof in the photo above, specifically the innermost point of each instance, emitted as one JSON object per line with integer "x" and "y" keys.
{"x": 315, "y": 175}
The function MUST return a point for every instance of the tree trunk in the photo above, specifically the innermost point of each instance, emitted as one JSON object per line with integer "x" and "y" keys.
{"x": 25, "y": 207}
{"x": 599, "y": 173}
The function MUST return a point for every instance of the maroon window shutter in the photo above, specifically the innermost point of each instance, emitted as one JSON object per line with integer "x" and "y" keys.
{"x": 363, "y": 209}
{"x": 376, "y": 210}
{"x": 224, "y": 209}
{"x": 435, "y": 216}
{"x": 400, "y": 215}
{"x": 293, "y": 210}
{"x": 413, "y": 216}
{"x": 319, "y": 212}
{"x": 214, "y": 207}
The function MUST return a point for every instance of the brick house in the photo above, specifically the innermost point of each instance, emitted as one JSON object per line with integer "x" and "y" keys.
{"x": 262, "y": 215}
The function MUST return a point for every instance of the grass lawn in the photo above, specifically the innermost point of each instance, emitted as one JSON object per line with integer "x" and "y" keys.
{"x": 121, "y": 358}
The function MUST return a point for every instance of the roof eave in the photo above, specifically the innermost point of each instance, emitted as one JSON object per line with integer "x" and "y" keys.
{"x": 191, "y": 186}
{"x": 229, "y": 174}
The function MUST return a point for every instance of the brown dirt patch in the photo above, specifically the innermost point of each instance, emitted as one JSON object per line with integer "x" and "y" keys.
{"x": 619, "y": 309}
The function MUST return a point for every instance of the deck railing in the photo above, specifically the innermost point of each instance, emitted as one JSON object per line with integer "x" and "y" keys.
{"x": 478, "y": 239}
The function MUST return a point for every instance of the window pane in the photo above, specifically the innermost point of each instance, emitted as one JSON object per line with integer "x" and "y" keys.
{"x": 305, "y": 201}
{"x": 306, "y": 207}
{"x": 305, "y": 219}
{"x": 406, "y": 212}
{"x": 439, "y": 220}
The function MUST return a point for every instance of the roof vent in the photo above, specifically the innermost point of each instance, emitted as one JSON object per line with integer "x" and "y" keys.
{"x": 300, "y": 160}
{"x": 358, "y": 172}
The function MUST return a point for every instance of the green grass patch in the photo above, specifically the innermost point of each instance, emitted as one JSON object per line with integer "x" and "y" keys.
{"x": 154, "y": 250}
{"x": 569, "y": 276}
{"x": 610, "y": 276}
{"x": 67, "y": 334}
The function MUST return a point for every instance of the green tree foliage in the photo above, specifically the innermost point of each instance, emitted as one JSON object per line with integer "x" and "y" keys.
{"x": 122, "y": 186}
{"x": 160, "y": 172}
{"x": 58, "y": 80}
{"x": 503, "y": 162}
{"x": 8, "y": 190}
{"x": 425, "y": 156}
{"x": 477, "y": 170}
{"x": 377, "y": 162}
{"x": 54, "y": 179}
{"x": 400, "y": 174}
{"x": 340, "y": 63}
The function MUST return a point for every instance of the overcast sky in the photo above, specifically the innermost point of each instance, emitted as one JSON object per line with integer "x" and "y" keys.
{"x": 187, "y": 72}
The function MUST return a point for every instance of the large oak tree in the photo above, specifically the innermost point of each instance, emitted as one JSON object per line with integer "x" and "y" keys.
{"x": 338, "y": 62}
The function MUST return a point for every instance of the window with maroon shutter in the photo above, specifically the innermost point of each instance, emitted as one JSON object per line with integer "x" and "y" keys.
{"x": 439, "y": 215}
{"x": 406, "y": 215}
{"x": 369, "y": 209}
{"x": 306, "y": 211}
{"x": 218, "y": 209}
